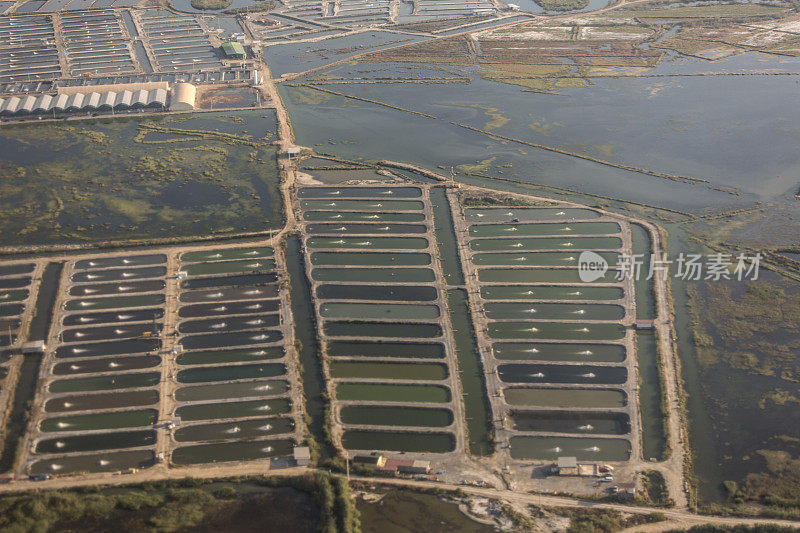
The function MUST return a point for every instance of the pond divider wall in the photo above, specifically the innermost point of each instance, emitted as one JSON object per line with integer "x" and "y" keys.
{"x": 470, "y": 373}
{"x": 25, "y": 389}
{"x": 309, "y": 351}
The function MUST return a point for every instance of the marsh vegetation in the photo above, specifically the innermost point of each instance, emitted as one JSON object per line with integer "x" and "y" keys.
{"x": 319, "y": 503}
{"x": 150, "y": 179}
{"x": 746, "y": 343}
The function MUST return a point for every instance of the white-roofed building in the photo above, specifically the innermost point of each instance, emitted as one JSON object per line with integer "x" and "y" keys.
{"x": 107, "y": 100}
{"x": 124, "y": 100}
{"x": 183, "y": 97}
{"x": 91, "y": 101}
{"x": 139, "y": 98}
{"x": 11, "y": 105}
{"x": 87, "y": 102}
{"x": 75, "y": 102}
{"x": 60, "y": 102}
{"x": 43, "y": 104}
{"x": 158, "y": 98}
{"x": 27, "y": 104}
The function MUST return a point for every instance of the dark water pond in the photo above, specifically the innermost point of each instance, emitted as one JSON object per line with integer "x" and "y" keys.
{"x": 396, "y": 416}
{"x": 377, "y": 292}
{"x": 221, "y": 340}
{"x": 242, "y": 429}
{"x": 136, "y": 315}
{"x": 228, "y": 308}
{"x": 380, "y": 329}
{"x": 118, "y": 364}
{"x": 400, "y": 441}
{"x": 94, "y": 442}
{"x": 386, "y": 349}
{"x": 101, "y": 462}
{"x": 531, "y": 373}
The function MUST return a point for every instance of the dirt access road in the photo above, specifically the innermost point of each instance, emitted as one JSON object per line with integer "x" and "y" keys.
{"x": 519, "y": 500}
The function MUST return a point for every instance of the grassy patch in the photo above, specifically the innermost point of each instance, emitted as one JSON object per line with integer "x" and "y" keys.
{"x": 562, "y": 5}
{"x": 748, "y": 334}
{"x": 752, "y": 330}
{"x": 603, "y": 520}
{"x": 714, "y": 11}
{"x": 655, "y": 489}
{"x": 476, "y": 200}
{"x": 140, "y": 179}
{"x": 211, "y": 4}
{"x": 315, "y": 502}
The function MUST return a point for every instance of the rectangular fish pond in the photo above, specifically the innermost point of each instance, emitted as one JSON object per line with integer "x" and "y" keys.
{"x": 556, "y": 351}
{"x": 556, "y": 330}
{"x": 540, "y": 275}
{"x": 209, "y": 357}
{"x": 582, "y": 374}
{"x": 379, "y": 311}
{"x": 382, "y": 329}
{"x": 584, "y": 449}
{"x": 250, "y": 450}
{"x": 240, "y": 429}
{"x": 392, "y": 371}
{"x": 374, "y": 275}
{"x": 571, "y": 422}
{"x": 370, "y": 259}
{"x": 544, "y": 229}
{"x": 98, "y": 462}
{"x": 398, "y": 441}
{"x": 240, "y": 409}
{"x": 359, "y": 192}
{"x": 565, "y": 398}
{"x": 395, "y": 416}
{"x": 386, "y": 392}
{"x": 239, "y": 389}
{"x": 545, "y": 243}
{"x": 528, "y": 214}
{"x": 365, "y": 349}
{"x": 550, "y": 292}
{"x": 91, "y": 422}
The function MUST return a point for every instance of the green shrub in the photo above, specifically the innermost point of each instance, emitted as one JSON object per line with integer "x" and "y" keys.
{"x": 211, "y": 4}
{"x": 225, "y": 492}
{"x": 133, "y": 501}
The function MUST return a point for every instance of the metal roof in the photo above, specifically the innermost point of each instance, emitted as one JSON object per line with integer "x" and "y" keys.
{"x": 567, "y": 462}
{"x": 91, "y": 100}
{"x": 159, "y": 96}
{"x": 60, "y": 102}
{"x": 183, "y": 97}
{"x": 301, "y": 452}
{"x": 27, "y": 104}
{"x": 11, "y": 105}
{"x": 108, "y": 99}
{"x": 43, "y": 103}
{"x": 139, "y": 98}
{"x": 124, "y": 99}
{"x": 76, "y": 101}
{"x": 83, "y": 102}
{"x": 233, "y": 49}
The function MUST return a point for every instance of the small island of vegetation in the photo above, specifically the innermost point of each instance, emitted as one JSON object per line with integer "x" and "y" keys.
{"x": 554, "y": 5}
{"x": 211, "y": 4}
